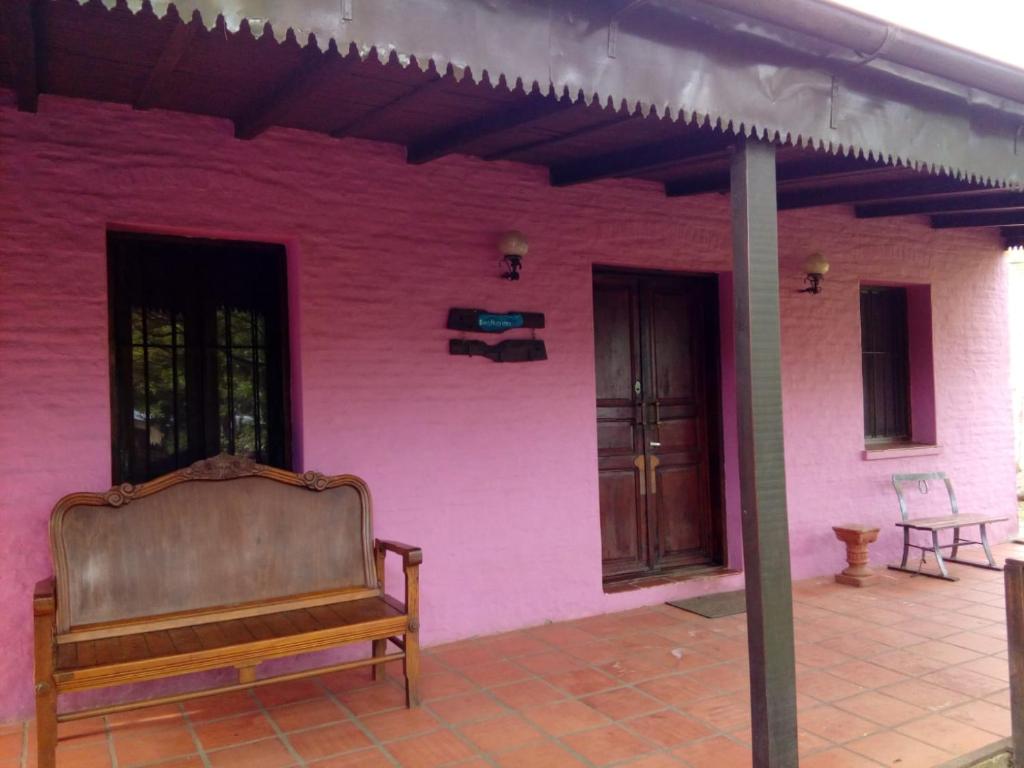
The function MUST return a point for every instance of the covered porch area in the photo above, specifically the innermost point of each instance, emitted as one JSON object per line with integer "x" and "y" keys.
{"x": 385, "y": 181}
{"x": 911, "y": 673}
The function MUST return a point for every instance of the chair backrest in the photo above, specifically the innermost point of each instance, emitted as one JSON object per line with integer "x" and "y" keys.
{"x": 924, "y": 481}
{"x": 224, "y": 536}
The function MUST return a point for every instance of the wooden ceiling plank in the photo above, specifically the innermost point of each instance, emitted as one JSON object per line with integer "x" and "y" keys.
{"x": 978, "y": 219}
{"x": 639, "y": 159}
{"x": 533, "y": 108}
{"x": 21, "y": 20}
{"x": 795, "y": 170}
{"x": 971, "y": 202}
{"x": 866, "y": 191}
{"x": 158, "y": 82}
{"x": 275, "y": 108}
{"x": 360, "y": 122}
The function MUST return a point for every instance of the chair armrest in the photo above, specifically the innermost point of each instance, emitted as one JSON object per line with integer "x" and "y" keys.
{"x": 44, "y": 599}
{"x": 410, "y": 555}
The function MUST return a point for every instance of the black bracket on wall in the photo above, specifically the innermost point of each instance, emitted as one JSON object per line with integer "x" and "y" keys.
{"x": 482, "y": 321}
{"x": 511, "y": 351}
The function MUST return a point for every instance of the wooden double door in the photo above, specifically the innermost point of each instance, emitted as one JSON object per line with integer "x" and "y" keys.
{"x": 657, "y": 358}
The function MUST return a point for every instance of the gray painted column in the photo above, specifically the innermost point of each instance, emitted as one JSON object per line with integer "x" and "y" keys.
{"x": 762, "y": 463}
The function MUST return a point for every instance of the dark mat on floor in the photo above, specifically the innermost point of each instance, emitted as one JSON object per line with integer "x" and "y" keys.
{"x": 714, "y": 606}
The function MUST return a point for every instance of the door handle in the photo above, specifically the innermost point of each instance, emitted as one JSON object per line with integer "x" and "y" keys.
{"x": 655, "y": 444}
{"x": 640, "y": 464}
{"x": 655, "y": 461}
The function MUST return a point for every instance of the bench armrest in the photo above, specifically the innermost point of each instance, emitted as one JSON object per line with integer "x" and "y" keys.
{"x": 44, "y": 600}
{"x": 410, "y": 555}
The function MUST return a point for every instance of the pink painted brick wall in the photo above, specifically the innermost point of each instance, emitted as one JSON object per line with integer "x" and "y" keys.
{"x": 491, "y": 468}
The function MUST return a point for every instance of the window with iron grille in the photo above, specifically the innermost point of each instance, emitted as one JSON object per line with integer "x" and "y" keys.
{"x": 885, "y": 363}
{"x": 199, "y": 353}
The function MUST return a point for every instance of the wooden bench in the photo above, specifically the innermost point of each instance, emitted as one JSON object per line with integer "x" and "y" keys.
{"x": 934, "y": 525}
{"x": 225, "y": 564}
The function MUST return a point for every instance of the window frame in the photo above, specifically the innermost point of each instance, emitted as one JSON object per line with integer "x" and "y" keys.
{"x": 906, "y": 438}
{"x": 119, "y": 245}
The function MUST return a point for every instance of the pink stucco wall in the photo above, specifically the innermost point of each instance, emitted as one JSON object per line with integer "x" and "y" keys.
{"x": 491, "y": 468}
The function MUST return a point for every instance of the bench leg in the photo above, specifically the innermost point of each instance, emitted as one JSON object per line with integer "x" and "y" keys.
{"x": 956, "y": 543}
{"x": 380, "y": 648}
{"x": 46, "y": 694}
{"x": 986, "y": 547}
{"x": 906, "y": 547}
{"x": 412, "y": 669}
{"x": 938, "y": 555}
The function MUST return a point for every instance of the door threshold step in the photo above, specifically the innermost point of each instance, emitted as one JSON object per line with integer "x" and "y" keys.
{"x": 670, "y": 577}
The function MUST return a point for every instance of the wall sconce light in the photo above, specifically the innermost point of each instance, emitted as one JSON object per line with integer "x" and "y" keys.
{"x": 513, "y": 246}
{"x": 816, "y": 267}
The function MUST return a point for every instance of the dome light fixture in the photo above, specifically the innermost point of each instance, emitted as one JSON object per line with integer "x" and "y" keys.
{"x": 513, "y": 247}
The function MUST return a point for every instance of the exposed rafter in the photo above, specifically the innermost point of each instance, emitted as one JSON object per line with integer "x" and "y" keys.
{"x": 548, "y": 141}
{"x": 529, "y": 110}
{"x": 794, "y": 170}
{"x": 21, "y": 19}
{"x": 866, "y": 191}
{"x": 641, "y": 159}
{"x": 376, "y": 113}
{"x": 159, "y": 77}
{"x": 978, "y": 219}
{"x": 275, "y": 108}
{"x": 977, "y": 201}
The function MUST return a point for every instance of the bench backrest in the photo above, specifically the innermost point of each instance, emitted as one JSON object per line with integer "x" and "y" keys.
{"x": 923, "y": 481}
{"x": 223, "y": 538}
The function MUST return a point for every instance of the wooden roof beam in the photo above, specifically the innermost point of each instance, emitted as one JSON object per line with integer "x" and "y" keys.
{"x": 794, "y": 170}
{"x": 978, "y": 219}
{"x": 158, "y": 82}
{"x": 451, "y": 140}
{"x": 640, "y": 159}
{"x": 971, "y": 202}
{"x": 275, "y": 108}
{"x": 21, "y": 20}
{"x": 867, "y": 191}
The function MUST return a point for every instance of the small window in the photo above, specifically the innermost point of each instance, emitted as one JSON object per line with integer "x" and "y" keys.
{"x": 200, "y": 362}
{"x": 886, "y": 364}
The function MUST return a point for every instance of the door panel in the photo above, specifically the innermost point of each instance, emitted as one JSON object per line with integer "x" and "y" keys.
{"x": 656, "y": 358}
{"x": 624, "y": 534}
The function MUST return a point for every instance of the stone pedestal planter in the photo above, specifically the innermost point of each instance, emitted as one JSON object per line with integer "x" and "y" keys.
{"x": 856, "y": 538}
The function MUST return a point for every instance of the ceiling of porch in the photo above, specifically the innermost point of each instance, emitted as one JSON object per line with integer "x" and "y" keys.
{"x": 115, "y": 55}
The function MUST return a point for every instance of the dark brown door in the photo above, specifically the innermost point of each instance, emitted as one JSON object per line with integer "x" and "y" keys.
{"x": 656, "y": 345}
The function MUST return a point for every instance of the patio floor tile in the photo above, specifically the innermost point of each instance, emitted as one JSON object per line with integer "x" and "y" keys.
{"x": 881, "y": 709}
{"x": 270, "y": 753}
{"x": 608, "y": 744}
{"x": 466, "y": 708}
{"x": 834, "y": 724}
{"x": 430, "y": 750}
{"x": 982, "y": 714}
{"x": 895, "y": 749}
{"x": 954, "y": 736}
{"x": 501, "y": 734}
{"x": 667, "y": 728}
{"x": 563, "y": 717}
{"x": 306, "y": 714}
{"x": 542, "y": 755}
{"x": 364, "y": 758}
{"x": 623, "y": 703}
{"x": 237, "y": 729}
{"x": 716, "y": 752}
{"x": 328, "y": 740}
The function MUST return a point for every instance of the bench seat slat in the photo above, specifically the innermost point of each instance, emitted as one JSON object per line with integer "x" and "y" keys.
{"x": 948, "y": 521}
{"x": 163, "y": 646}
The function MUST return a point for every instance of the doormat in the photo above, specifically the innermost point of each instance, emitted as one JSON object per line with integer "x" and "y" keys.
{"x": 714, "y": 606}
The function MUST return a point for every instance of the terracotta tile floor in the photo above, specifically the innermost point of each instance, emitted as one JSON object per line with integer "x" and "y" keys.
{"x": 911, "y": 672}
